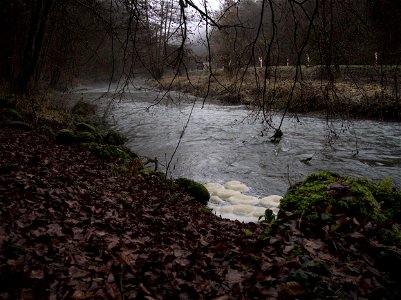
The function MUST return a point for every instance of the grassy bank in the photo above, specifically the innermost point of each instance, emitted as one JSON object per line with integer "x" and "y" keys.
{"x": 80, "y": 218}
{"x": 356, "y": 92}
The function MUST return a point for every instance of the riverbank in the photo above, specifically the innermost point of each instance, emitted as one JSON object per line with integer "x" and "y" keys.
{"x": 73, "y": 226}
{"x": 361, "y": 92}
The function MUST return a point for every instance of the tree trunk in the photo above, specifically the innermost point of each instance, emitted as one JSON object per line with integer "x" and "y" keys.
{"x": 33, "y": 46}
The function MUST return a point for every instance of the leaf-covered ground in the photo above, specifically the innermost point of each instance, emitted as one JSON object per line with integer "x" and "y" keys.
{"x": 69, "y": 229}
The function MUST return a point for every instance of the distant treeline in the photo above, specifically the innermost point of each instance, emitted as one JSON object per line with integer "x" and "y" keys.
{"x": 54, "y": 42}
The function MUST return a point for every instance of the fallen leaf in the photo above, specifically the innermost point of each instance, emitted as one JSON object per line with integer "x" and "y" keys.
{"x": 54, "y": 230}
{"x": 356, "y": 235}
{"x": 234, "y": 276}
{"x": 123, "y": 259}
{"x": 13, "y": 262}
{"x": 76, "y": 272}
{"x": 291, "y": 289}
{"x": 288, "y": 248}
{"x": 82, "y": 294}
{"x": 37, "y": 274}
{"x": 312, "y": 245}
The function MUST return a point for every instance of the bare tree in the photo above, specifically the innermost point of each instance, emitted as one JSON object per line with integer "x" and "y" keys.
{"x": 264, "y": 42}
{"x": 330, "y": 36}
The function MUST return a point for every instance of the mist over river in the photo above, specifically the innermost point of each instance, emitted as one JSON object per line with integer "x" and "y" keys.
{"x": 223, "y": 143}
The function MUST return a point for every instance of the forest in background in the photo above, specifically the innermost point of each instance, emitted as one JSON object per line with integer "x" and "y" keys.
{"x": 52, "y": 42}
{"x": 58, "y": 44}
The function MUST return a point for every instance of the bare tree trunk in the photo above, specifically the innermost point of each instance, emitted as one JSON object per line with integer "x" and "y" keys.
{"x": 33, "y": 46}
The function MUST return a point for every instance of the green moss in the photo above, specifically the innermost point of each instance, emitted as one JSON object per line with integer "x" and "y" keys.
{"x": 343, "y": 205}
{"x": 321, "y": 190}
{"x": 118, "y": 171}
{"x": 82, "y": 108}
{"x": 55, "y": 116}
{"x": 86, "y": 137}
{"x": 111, "y": 152}
{"x": 248, "y": 233}
{"x": 389, "y": 200}
{"x": 194, "y": 189}
{"x": 206, "y": 210}
{"x": 362, "y": 202}
{"x": 302, "y": 197}
{"x": 85, "y": 127}
{"x": 18, "y": 125}
{"x": 386, "y": 185}
{"x": 113, "y": 137}
{"x": 323, "y": 176}
{"x": 298, "y": 250}
{"x": 391, "y": 236}
{"x": 66, "y": 136}
{"x": 11, "y": 114}
{"x": 145, "y": 171}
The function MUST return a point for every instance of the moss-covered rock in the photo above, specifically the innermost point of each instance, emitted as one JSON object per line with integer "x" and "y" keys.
{"x": 49, "y": 115}
{"x": 66, "y": 136}
{"x": 113, "y": 137}
{"x": 331, "y": 205}
{"x": 111, "y": 152}
{"x": 86, "y": 137}
{"x": 11, "y": 114}
{"x": 85, "y": 127}
{"x": 194, "y": 189}
{"x": 18, "y": 125}
{"x": 82, "y": 108}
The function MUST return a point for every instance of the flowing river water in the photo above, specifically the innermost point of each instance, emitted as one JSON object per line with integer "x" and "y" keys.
{"x": 223, "y": 143}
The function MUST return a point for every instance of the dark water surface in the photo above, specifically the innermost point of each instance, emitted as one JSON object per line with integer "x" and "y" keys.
{"x": 223, "y": 143}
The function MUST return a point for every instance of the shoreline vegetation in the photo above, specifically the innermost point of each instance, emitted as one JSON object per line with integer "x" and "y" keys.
{"x": 82, "y": 218}
{"x": 367, "y": 92}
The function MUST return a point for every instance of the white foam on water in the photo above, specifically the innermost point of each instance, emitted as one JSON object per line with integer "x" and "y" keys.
{"x": 228, "y": 202}
{"x": 258, "y": 211}
{"x": 243, "y": 199}
{"x": 224, "y": 194}
{"x": 216, "y": 200}
{"x": 236, "y": 186}
{"x": 270, "y": 201}
{"x": 213, "y": 187}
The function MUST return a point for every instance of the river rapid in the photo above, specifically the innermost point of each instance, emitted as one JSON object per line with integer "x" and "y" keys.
{"x": 223, "y": 143}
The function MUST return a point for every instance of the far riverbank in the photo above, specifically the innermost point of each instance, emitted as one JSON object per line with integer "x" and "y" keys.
{"x": 356, "y": 92}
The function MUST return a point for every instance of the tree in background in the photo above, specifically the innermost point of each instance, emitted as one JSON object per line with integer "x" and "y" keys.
{"x": 332, "y": 35}
{"x": 48, "y": 40}
{"x": 23, "y": 28}
{"x": 53, "y": 42}
{"x": 384, "y": 20}
{"x": 232, "y": 45}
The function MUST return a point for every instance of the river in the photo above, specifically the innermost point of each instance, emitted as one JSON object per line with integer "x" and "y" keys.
{"x": 223, "y": 143}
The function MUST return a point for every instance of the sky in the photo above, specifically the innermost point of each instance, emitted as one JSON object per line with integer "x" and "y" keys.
{"x": 197, "y": 39}
{"x": 213, "y": 4}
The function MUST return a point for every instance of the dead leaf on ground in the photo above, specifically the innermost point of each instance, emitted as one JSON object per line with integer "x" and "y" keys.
{"x": 37, "y": 274}
{"x": 291, "y": 289}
